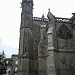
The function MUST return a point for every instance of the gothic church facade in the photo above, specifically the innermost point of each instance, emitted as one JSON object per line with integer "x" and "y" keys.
{"x": 46, "y": 46}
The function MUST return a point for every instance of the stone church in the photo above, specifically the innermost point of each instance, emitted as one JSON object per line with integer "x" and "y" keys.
{"x": 46, "y": 45}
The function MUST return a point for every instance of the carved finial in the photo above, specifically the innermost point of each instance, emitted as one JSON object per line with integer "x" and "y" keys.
{"x": 73, "y": 13}
{"x": 43, "y": 17}
{"x": 49, "y": 9}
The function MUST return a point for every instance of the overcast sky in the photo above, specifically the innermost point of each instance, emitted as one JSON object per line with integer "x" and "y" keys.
{"x": 10, "y": 16}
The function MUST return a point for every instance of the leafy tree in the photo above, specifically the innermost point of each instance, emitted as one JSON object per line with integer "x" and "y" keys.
{"x": 2, "y": 63}
{"x": 9, "y": 61}
{"x": 2, "y": 55}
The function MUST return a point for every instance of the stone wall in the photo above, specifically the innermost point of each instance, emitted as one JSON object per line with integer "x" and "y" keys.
{"x": 14, "y": 62}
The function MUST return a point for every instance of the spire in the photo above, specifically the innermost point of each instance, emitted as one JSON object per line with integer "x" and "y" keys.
{"x": 43, "y": 23}
{"x": 50, "y": 15}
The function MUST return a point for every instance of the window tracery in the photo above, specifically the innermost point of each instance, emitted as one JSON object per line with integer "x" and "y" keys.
{"x": 64, "y": 32}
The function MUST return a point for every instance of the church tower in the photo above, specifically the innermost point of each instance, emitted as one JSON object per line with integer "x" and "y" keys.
{"x": 27, "y": 13}
{"x": 25, "y": 41}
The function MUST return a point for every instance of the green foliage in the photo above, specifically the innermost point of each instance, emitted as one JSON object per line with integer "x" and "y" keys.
{"x": 9, "y": 61}
{"x": 2, "y": 63}
{"x": 2, "y": 55}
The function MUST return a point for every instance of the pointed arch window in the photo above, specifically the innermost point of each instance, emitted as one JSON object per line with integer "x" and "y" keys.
{"x": 65, "y": 32}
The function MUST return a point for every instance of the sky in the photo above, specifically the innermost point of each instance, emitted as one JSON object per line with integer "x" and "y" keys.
{"x": 10, "y": 16}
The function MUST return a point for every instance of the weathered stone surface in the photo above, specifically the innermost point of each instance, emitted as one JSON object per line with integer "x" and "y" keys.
{"x": 46, "y": 47}
{"x": 14, "y": 63}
